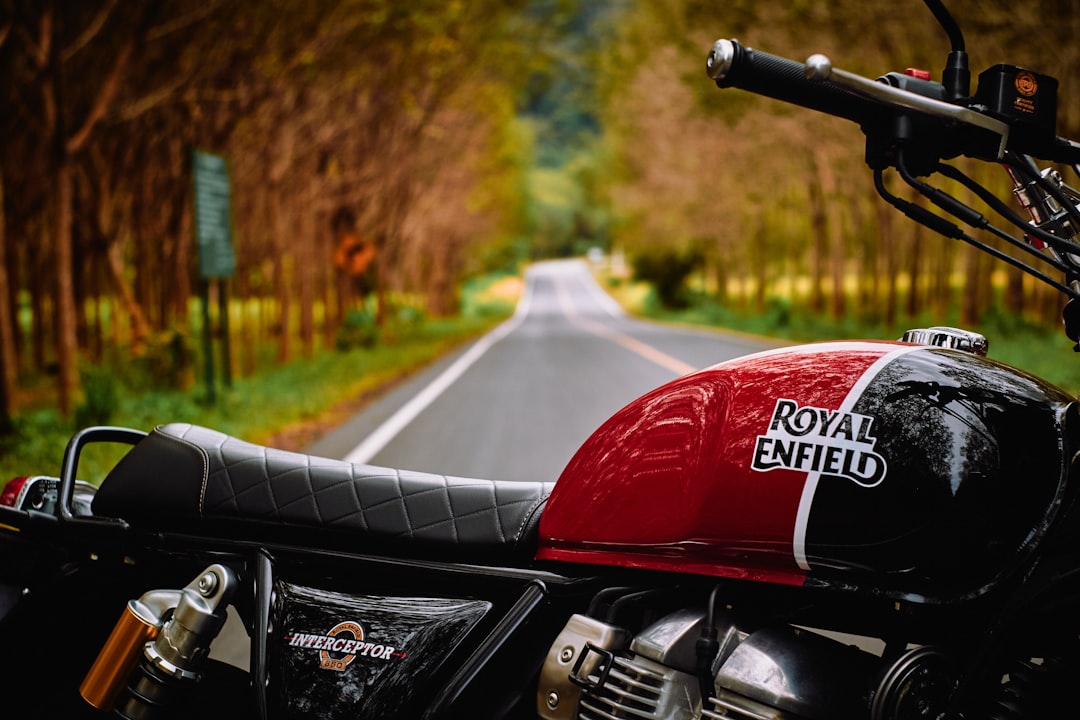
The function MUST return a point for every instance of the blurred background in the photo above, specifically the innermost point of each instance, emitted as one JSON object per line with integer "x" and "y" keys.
{"x": 386, "y": 170}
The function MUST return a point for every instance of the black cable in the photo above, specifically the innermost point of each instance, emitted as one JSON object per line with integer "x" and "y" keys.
{"x": 995, "y": 203}
{"x": 953, "y": 206}
{"x": 944, "y": 227}
{"x": 946, "y": 20}
{"x": 956, "y": 77}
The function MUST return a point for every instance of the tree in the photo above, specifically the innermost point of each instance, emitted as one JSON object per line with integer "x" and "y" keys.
{"x": 326, "y": 100}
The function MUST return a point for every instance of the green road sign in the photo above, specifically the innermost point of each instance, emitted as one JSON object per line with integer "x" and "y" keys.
{"x": 213, "y": 219}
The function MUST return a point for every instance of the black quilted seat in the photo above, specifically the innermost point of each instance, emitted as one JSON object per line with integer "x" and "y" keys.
{"x": 192, "y": 479}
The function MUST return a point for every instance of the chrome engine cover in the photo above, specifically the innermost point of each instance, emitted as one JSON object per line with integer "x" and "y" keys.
{"x": 773, "y": 673}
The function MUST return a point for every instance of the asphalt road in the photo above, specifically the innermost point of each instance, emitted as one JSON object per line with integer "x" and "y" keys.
{"x": 516, "y": 404}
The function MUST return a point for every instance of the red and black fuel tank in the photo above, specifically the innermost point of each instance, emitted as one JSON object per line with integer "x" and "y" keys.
{"x": 919, "y": 472}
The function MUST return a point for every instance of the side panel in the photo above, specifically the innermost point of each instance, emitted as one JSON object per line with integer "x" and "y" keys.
{"x": 360, "y": 656}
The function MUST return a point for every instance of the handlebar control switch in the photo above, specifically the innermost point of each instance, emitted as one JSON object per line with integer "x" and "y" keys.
{"x": 1024, "y": 99}
{"x": 949, "y": 337}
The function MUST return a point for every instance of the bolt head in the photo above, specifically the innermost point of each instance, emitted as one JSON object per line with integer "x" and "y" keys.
{"x": 208, "y": 584}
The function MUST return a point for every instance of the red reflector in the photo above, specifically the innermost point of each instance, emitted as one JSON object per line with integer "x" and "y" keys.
{"x": 917, "y": 73}
{"x": 11, "y": 491}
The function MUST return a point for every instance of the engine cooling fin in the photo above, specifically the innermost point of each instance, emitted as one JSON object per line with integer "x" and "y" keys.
{"x": 728, "y": 706}
{"x": 637, "y": 688}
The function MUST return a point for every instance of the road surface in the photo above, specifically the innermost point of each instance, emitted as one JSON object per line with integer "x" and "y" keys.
{"x": 516, "y": 404}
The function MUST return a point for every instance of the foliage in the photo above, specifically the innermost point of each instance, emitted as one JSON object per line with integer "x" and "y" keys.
{"x": 165, "y": 360}
{"x": 359, "y": 330}
{"x": 567, "y": 208}
{"x": 100, "y": 397}
{"x": 491, "y": 296}
{"x": 667, "y": 269}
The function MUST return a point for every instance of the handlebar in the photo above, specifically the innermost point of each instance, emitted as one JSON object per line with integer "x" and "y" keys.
{"x": 817, "y": 85}
{"x": 873, "y": 104}
{"x": 731, "y": 64}
{"x": 913, "y": 124}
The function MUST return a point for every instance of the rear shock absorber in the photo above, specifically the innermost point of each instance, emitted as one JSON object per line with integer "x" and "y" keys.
{"x": 157, "y": 648}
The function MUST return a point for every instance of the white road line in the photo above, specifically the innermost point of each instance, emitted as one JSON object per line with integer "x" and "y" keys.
{"x": 632, "y": 344}
{"x": 602, "y": 299}
{"x": 382, "y": 435}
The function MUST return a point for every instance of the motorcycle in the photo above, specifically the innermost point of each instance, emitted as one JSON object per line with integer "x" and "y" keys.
{"x": 881, "y": 530}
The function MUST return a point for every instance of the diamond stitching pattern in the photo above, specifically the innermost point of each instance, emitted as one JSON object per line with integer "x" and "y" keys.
{"x": 254, "y": 482}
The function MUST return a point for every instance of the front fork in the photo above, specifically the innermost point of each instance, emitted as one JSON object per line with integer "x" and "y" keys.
{"x": 159, "y": 644}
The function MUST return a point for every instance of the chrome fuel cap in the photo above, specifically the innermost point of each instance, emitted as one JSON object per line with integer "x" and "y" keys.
{"x": 949, "y": 337}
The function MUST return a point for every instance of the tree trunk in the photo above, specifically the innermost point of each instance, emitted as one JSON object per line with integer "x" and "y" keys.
{"x": 819, "y": 229}
{"x": 914, "y": 299}
{"x": 943, "y": 269}
{"x": 1014, "y": 291}
{"x": 442, "y": 288}
{"x": 39, "y": 312}
{"x": 66, "y": 343}
{"x": 139, "y": 324}
{"x": 284, "y": 273}
{"x": 8, "y": 359}
{"x": 887, "y": 243}
{"x": 305, "y": 269}
{"x": 760, "y": 265}
{"x": 838, "y": 264}
{"x": 721, "y": 269}
{"x": 970, "y": 308}
{"x": 181, "y": 266}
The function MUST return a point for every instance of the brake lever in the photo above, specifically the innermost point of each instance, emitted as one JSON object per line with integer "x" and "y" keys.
{"x": 820, "y": 68}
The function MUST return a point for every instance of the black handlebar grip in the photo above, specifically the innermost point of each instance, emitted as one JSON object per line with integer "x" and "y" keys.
{"x": 733, "y": 65}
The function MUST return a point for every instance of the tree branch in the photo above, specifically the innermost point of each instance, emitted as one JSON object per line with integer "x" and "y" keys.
{"x": 38, "y": 49}
{"x": 89, "y": 32}
{"x": 160, "y": 31}
{"x": 109, "y": 90}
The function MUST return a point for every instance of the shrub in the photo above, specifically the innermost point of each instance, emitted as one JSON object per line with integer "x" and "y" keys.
{"x": 667, "y": 269}
{"x": 358, "y": 330}
{"x": 101, "y": 397}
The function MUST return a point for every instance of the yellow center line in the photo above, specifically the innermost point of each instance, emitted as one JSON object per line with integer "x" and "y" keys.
{"x": 632, "y": 344}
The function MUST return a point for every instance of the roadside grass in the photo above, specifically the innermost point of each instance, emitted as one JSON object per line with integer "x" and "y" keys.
{"x": 281, "y": 405}
{"x": 1037, "y": 349}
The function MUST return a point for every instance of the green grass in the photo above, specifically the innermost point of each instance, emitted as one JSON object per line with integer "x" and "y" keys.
{"x": 306, "y": 392}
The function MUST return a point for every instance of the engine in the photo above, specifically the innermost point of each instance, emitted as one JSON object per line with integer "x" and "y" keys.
{"x": 596, "y": 671}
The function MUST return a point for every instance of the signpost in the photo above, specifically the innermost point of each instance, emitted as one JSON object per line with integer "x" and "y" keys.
{"x": 217, "y": 260}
